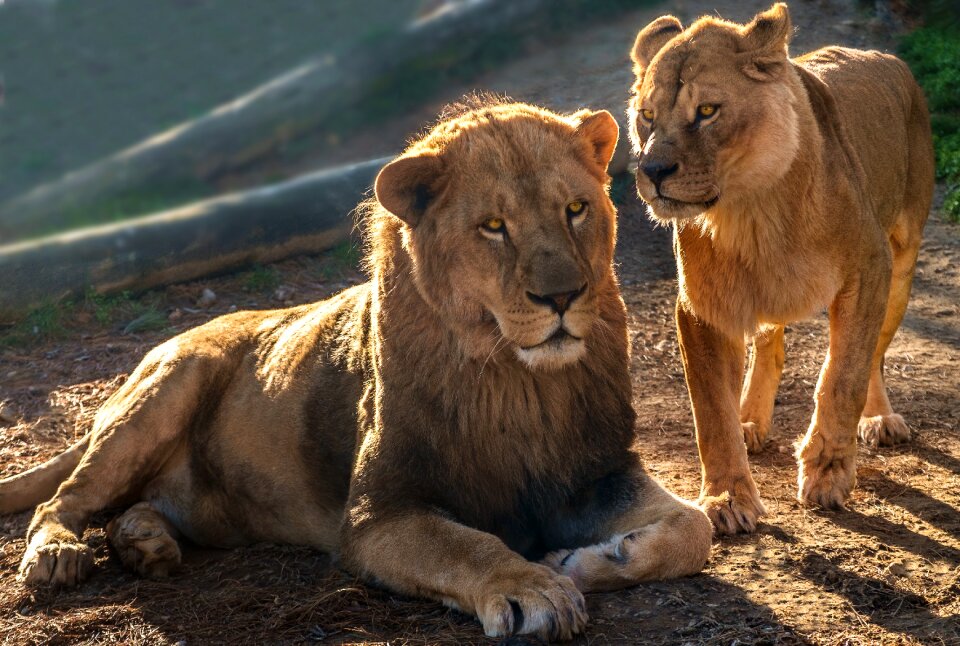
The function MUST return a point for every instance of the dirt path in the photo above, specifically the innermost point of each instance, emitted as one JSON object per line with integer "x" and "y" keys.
{"x": 885, "y": 571}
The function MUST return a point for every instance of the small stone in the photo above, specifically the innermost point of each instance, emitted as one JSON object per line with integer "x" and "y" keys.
{"x": 232, "y": 308}
{"x": 284, "y": 293}
{"x": 897, "y": 569}
{"x": 175, "y": 315}
{"x": 207, "y": 298}
{"x": 6, "y": 415}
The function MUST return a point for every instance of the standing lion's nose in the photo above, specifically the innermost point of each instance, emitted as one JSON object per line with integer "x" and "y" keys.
{"x": 559, "y": 302}
{"x": 657, "y": 171}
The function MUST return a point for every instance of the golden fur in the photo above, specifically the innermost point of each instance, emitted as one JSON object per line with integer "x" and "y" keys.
{"x": 466, "y": 410}
{"x": 792, "y": 185}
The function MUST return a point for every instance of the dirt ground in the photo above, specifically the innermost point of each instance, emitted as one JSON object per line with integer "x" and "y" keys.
{"x": 887, "y": 570}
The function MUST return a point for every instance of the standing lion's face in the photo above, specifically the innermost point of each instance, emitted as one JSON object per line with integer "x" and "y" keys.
{"x": 514, "y": 230}
{"x": 711, "y": 117}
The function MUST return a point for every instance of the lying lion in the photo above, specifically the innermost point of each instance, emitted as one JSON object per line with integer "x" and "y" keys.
{"x": 792, "y": 185}
{"x": 465, "y": 410}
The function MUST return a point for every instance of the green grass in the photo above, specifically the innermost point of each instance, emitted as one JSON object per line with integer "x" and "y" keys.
{"x": 261, "y": 279}
{"x": 933, "y": 53}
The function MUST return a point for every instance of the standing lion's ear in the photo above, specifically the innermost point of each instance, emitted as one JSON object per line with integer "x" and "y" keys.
{"x": 406, "y": 185}
{"x": 601, "y": 131}
{"x": 764, "y": 43}
{"x": 651, "y": 40}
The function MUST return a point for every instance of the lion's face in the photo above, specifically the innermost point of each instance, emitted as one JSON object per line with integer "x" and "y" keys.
{"x": 711, "y": 117}
{"x": 511, "y": 230}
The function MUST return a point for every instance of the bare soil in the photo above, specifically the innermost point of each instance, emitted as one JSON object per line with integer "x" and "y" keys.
{"x": 887, "y": 570}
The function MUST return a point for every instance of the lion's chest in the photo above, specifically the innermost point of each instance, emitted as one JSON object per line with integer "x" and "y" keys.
{"x": 737, "y": 293}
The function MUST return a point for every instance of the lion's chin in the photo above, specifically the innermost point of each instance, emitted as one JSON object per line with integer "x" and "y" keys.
{"x": 666, "y": 210}
{"x": 556, "y": 352}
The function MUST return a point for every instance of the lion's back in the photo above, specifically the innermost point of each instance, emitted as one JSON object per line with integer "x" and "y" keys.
{"x": 884, "y": 115}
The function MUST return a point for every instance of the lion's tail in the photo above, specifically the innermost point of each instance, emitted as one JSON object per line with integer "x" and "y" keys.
{"x": 38, "y": 484}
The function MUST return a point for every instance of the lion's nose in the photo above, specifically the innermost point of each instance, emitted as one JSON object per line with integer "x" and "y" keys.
{"x": 559, "y": 302}
{"x": 657, "y": 171}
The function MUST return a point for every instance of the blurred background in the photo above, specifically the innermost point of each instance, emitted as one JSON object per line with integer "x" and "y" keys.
{"x": 146, "y": 142}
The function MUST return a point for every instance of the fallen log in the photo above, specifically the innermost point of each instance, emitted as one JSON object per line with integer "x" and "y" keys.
{"x": 304, "y": 215}
{"x": 367, "y": 83}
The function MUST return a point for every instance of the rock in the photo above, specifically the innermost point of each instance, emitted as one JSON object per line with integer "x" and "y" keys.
{"x": 207, "y": 298}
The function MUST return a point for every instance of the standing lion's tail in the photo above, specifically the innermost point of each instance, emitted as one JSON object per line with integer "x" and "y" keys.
{"x": 38, "y": 484}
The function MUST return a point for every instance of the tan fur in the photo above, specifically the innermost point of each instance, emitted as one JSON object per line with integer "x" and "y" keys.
{"x": 466, "y": 410}
{"x": 806, "y": 188}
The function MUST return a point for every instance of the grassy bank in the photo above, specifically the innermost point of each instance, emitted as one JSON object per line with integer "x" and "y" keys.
{"x": 933, "y": 53}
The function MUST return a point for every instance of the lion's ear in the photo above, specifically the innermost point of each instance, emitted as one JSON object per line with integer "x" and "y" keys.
{"x": 406, "y": 185}
{"x": 764, "y": 43}
{"x": 601, "y": 131}
{"x": 652, "y": 38}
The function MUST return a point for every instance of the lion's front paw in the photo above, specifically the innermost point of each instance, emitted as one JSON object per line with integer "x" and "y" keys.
{"x": 754, "y": 435}
{"x": 734, "y": 508}
{"x": 883, "y": 430}
{"x": 56, "y": 564}
{"x": 827, "y": 480}
{"x": 534, "y": 600}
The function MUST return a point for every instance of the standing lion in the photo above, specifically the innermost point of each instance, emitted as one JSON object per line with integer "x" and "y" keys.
{"x": 792, "y": 185}
{"x": 466, "y": 410}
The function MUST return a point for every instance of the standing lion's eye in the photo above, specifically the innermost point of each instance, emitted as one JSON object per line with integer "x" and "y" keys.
{"x": 576, "y": 210}
{"x": 706, "y": 110}
{"x": 647, "y": 115}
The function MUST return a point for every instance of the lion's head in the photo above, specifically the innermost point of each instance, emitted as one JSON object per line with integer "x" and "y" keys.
{"x": 504, "y": 214}
{"x": 713, "y": 111}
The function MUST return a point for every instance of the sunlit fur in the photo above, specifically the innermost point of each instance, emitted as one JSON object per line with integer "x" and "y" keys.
{"x": 423, "y": 426}
{"x": 807, "y": 188}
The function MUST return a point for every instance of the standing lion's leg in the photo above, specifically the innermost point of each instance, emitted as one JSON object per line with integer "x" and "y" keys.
{"x": 660, "y": 537}
{"x": 760, "y": 387}
{"x": 134, "y": 434}
{"x": 145, "y": 540}
{"x": 827, "y": 453}
{"x": 878, "y": 423}
{"x": 713, "y": 364}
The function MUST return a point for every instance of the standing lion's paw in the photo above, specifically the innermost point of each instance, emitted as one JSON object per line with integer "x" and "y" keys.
{"x": 754, "y": 435}
{"x": 732, "y": 509}
{"x": 827, "y": 480}
{"x": 58, "y": 564}
{"x": 883, "y": 430}
{"x": 534, "y": 600}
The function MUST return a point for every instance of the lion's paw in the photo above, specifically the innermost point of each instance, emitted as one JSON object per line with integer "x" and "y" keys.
{"x": 733, "y": 509}
{"x": 827, "y": 481}
{"x": 754, "y": 436}
{"x": 59, "y": 564}
{"x": 883, "y": 430}
{"x": 533, "y": 601}
{"x": 142, "y": 540}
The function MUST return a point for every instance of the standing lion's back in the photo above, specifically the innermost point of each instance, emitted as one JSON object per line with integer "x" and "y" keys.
{"x": 885, "y": 117}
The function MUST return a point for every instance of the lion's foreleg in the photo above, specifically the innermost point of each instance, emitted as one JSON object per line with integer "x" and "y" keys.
{"x": 827, "y": 454}
{"x": 760, "y": 387}
{"x": 134, "y": 434}
{"x": 713, "y": 364}
{"x": 660, "y": 537}
{"x": 423, "y": 553}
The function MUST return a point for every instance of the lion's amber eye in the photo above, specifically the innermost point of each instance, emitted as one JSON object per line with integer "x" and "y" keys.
{"x": 576, "y": 208}
{"x": 706, "y": 110}
{"x": 646, "y": 114}
{"x": 494, "y": 225}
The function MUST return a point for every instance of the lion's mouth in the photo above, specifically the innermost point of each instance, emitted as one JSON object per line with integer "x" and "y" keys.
{"x": 556, "y": 339}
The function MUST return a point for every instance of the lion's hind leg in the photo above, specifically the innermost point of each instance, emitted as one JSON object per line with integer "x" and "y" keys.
{"x": 145, "y": 540}
{"x": 879, "y": 425}
{"x": 662, "y": 537}
{"x": 760, "y": 387}
{"x": 134, "y": 435}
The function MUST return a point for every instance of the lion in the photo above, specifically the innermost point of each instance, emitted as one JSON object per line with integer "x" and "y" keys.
{"x": 460, "y": 427}
{"x": 792, "y": 185}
